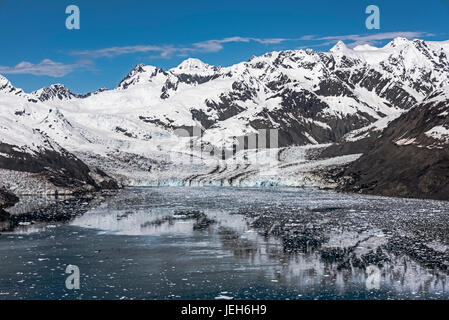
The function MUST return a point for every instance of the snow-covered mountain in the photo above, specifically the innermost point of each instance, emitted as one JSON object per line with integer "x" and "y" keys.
{"x": 7, "y": 88}
{"x": 60, "y": 92}
{"x": 55, "y": 92}
{"x": 30, "y": 160}
{"x": 311, "y": 97}
{"x": 133, "y": 131}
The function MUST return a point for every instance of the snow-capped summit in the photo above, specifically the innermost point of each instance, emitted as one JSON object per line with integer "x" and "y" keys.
{"x": 140, "y": 74}
{"x": 3, "y": 81}
{"x": 143, "y": 68}
{"x": 195, "y": 66}
{"x": 55, "y": 91}
{"x": 339, "y": 47}
{"x": 397, "y": 42}
{"x": 8, "y": 88}
{"x": 5, "y": 85}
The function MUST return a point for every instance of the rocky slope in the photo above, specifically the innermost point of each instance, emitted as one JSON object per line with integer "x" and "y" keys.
{"x": 7, "y": 199}
{"x": 411, "y": 158}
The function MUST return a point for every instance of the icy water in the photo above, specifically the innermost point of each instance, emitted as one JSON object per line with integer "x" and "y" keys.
{"x": 223, "y": 243}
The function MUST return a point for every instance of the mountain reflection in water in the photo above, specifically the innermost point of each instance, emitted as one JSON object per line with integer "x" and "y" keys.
{"x": 204, "y": 243}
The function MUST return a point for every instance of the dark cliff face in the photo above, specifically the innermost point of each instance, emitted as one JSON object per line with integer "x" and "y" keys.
{"x": 7, "y": 199}
{"x": 406, "y": 161}
{"x": 59, "y": 167}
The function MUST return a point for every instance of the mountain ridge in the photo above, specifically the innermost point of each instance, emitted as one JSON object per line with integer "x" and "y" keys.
{"x": 308, "y": 97}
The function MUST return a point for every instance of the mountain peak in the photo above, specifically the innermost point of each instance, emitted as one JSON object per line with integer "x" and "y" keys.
{"x": 58, "y": 86}
{"x": 396, "y": 42}
{"x": 54, "y": 91}
{"x": 143, "y": 68}
{"x": 3, "y": 81}
{"x": 6, "y": 86}
{"x": 139, "y": 74}
{"x": 193, "y": 65}
{"x": 339, "y": 46}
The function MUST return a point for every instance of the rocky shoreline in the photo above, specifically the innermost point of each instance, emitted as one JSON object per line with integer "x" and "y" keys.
{"x": 48, "y": 172}
{"x": 55, "y": 210}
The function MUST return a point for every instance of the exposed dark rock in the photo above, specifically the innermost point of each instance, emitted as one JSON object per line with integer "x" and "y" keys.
{"x": 346, "y": 148}
{"x": 62, "y": 210}
{"x": 60, "y": 167}
{"x": 196, "y": 78}
{"x": 405, "y": 161}
{"x": 7, "y": 199}
{"x": 125, "y": 132}
{"x": 202, "y": 223}
{"x": 203, "y": 118}
{"x": 60, "y": 92}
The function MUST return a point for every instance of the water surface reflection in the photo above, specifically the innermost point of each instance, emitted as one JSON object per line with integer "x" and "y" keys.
{"x": 236, "y": 243}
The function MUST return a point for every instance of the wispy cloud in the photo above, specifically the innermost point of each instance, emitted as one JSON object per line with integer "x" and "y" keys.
{"x": 51, "y": 68}
{"x": 118, "y": 51}
{"x": 216, "y": 45}
{"x": 166, "y": 51}
{"x": 46, "y": 67}
{"x": 378, "y": 36}
{"x": 357, "y": 39}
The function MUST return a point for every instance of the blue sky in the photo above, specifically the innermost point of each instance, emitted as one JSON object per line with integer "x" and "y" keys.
{"x": 38, "y": 50}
